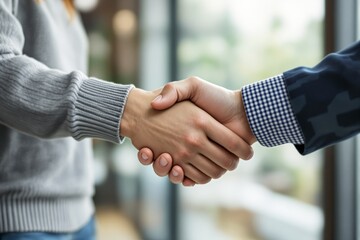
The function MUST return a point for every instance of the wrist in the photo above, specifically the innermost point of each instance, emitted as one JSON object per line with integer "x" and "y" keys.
{"x": 137, "y": 104}
{"x": 248, "y": 134}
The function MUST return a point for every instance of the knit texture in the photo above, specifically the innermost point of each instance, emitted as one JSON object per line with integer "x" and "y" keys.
{"x": 49, "y": 110}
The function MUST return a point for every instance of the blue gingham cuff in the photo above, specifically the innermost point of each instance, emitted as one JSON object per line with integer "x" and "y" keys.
{"x": 269, "y": 113}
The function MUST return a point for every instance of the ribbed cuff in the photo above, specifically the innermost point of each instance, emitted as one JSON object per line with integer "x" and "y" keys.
{"x": 98, "y": 110}
{"x": 44, "y": 214}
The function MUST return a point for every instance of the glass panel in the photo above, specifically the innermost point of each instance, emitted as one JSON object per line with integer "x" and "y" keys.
{"x": 113, "y": 51}
{"x": 358, "y": 139}
{"x": 124, "y": 37}
{"x": 231, "y": 43}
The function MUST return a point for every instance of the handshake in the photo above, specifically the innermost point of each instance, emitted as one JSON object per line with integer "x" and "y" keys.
{"x": 197, "y": 131}
{"x": 194, "y": 130}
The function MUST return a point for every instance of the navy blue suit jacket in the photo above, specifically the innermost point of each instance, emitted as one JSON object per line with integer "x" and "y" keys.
{"x": 326, "y": 98}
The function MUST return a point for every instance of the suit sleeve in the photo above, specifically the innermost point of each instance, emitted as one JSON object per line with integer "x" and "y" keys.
{"x": 326, "y": 98}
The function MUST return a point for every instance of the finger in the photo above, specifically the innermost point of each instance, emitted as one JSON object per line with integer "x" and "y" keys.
{"x": 208, "y": 167}
{"x": 176, "y": 92}
{"x": 166, "y": 99}
{"x": 145, "y": 156}
{"x": 217, "y": 158}
{"x": 162, "y": 165}
{"x": 228, "y": 139}
{"x": 176, "y": 175}
{"x": 188, "y": 182}
{"x": 195, "y": 174}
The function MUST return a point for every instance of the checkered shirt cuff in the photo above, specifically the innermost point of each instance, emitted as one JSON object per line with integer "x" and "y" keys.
{"x": 269, "y": 113}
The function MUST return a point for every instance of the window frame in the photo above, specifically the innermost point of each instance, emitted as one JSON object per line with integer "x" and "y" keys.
{"x": 340, "y": 163}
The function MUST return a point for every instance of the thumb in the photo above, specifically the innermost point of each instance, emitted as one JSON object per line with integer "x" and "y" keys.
{"x": 175, "y": 92}
{"x": 166, "y": 98}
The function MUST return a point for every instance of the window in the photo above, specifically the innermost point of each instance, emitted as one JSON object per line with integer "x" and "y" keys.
{"x": 276, "y": 195}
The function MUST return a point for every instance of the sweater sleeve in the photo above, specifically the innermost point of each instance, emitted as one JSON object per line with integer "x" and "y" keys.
{"x": 48, "y": 103}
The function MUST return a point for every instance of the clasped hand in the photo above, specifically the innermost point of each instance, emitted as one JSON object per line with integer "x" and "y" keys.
{"x": 197, "y": 139}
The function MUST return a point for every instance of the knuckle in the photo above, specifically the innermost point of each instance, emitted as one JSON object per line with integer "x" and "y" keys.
{"x": 194, "y": 140}
{"x": 230, "y": 164}
{"x": 183, "y": 155}
{"x": 193, "y": 78}
{"x": 233, "y": 144}
{"x": 201, "y": 121}
{"x": 169, "y": 86}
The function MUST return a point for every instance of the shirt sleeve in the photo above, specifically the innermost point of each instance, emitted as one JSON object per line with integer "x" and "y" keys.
{"x": 269, "y": 113}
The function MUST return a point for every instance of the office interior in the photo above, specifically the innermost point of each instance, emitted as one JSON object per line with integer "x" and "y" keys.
{"x": 277, "y": 195}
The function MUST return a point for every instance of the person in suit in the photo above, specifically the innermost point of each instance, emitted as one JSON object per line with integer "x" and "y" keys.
{"x": 309, "y": 107}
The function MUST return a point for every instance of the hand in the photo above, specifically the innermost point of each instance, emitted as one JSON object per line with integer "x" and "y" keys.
{"x": 200, "y": 145}
{"x": 224, "y": 105}
{"x": 163, "y": 166}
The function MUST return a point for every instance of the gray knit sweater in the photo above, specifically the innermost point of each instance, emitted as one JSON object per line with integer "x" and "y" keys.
{"x": 49, "y": 110}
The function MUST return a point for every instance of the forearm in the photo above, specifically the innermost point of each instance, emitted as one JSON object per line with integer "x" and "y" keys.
{"x": 308, "y": 107}
{"x": 44, "y": 102}
{"x": 48, "y": 103}
{"x": 326, "y": 98}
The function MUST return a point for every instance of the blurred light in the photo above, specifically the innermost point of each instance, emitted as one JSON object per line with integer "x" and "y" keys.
{"x": 124, "y": 23}
{"x": 99, "y": 45}
{"x": 100, "y": 171}
{"x": 124, "y": 161}
{"x": 85, "y": 5}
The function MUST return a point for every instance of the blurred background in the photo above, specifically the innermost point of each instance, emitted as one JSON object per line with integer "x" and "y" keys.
{"x": 277, "y": 195}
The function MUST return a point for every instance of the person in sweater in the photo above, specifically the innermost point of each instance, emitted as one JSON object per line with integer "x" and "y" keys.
{"x": 288, "y": 108}
{"x": 50, "y": 110}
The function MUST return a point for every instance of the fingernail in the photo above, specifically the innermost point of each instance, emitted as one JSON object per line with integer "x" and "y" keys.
{"x": 158, "y": 98}
{"x": 144, "y": 156}
{"x": 163, "y": 162}
{"x": 175, "y": 173}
